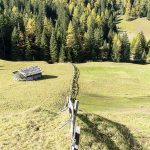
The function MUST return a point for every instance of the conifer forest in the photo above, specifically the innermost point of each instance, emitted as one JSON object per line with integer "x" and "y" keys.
{"x": 71, "y": 30}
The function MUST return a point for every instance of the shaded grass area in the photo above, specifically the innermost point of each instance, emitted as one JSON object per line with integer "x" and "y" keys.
{"x": 120, "y": 93}
{"x": 101, "y": 133}
{"x": 134, "y": 27}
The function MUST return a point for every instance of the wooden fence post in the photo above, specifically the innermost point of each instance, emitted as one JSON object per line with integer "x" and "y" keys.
{"x": 75, "y": 132}
{"x": 75, "y": 141}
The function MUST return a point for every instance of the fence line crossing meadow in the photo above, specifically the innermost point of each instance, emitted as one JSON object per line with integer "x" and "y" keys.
{"x": 72, "y": 105}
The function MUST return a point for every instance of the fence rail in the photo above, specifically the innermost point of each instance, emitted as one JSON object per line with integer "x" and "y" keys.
{"x": 72, "y": 107}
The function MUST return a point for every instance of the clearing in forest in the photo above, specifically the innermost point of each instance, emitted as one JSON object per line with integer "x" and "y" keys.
{"x": 134, "y": 27}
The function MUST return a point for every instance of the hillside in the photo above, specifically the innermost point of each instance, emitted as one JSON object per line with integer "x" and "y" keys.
{"x": 30, "y": 111}
{"x": 134, "y": 27}
{"x": 119, "y": 95}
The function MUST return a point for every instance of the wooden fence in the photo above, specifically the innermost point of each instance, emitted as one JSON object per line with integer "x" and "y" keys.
{"x": 72, "y": 107}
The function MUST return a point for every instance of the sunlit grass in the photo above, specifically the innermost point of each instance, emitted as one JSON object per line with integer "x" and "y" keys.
{"x": 114, "y": 107}
{"x": 120, "y": 93}
{"x": 19, "y": 96}
{"x": 135, "y": 26}
{"x": 30, "y": 110}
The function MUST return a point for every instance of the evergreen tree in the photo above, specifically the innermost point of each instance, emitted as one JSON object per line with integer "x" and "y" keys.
{"x": 103, "y": 5}
{"x": 62, "y": 55}
{"x": 91, "y": 50}
{"x": 116, "y": 55}
{"x": 105, "y": 51}
{"x": 45, "y": 45}
{"x": 28, "y": 51}
{"x": 139, "y": 48}
{"x": 17, "y": 44}
{"x": 125, "y": 48}
{"x": 53, "y": 47}
{"x": 98, "y": 43}
{"x": 14, "y": 43}
{"x": 148, "y": 12}
{"x": 128, "y": 10}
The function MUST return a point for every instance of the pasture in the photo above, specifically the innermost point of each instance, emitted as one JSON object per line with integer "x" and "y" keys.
{"x": 113, "y": 111}
{"x": 30, "y": 110}
{"x": 134, "y": 27}
{"x": 118, "y": 95}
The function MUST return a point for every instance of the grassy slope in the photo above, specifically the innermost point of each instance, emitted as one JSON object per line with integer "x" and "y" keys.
{"x": 135, "y": 26}
{"x": 28, "y": 122}
{"x": 29, "y": 115}
{"x": 119, "y": 94}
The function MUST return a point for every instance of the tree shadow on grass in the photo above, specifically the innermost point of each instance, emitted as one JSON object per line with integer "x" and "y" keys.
{"x": 112, "y": 135}
{"x": 46, "y": 77}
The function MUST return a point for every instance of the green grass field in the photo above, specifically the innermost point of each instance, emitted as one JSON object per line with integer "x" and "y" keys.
{"x": 29, "y": 111}
{"x": 134, "y": 27}
{"x": 119, "y": 95}
{"x": 114, "y": 110}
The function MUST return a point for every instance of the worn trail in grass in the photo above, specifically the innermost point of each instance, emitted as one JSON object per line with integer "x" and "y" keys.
{"x": 119, "y": 93}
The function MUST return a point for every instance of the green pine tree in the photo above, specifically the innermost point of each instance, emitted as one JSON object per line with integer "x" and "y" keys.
{"x": 125, "y": 48}
{"x": 105, "y": 51}
{"x": 45, "y": 45}
{"x": 139, "y": 48}
{"x": 98, "y": 43}
{"x": 148, "y": 11}
{"x": 116, "y": 55}
{"x": 14, "y": 43}
{"x": 28, "y": 51}
{"x": 62, "y": 55}
{"x": 17, "y": 44}
{"x": 53, "y": 47}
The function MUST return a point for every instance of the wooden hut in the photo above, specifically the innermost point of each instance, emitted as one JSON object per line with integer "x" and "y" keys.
{"x": 28, "y": 74}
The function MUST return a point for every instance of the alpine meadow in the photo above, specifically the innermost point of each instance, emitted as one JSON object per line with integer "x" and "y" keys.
{"x": 74, "y": 74}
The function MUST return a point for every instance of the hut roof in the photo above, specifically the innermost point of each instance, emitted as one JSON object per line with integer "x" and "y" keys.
{"x": 29, "y": 71}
